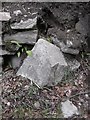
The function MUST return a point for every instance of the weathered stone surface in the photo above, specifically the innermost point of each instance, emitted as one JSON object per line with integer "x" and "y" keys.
{"x": 28, "y": 37}
{"x": 46, "y": 65}
{"x": 64, "y": 48}
{"x": 72, "y": 62}
{"x": 15, "y": 61}
{"x": 28, "y": 24}
{"x": 82, "y": 26}
{"x": 0, "y": 28}
{"x": 1, "y": 61}
{"x": 5, "y": 52}
{"x": 5, "y": 16}
{"x": 11, "y": 46}
{"x": 17, "y": 12}
{"x": 0, "y": 40}
{"x": 69, "y": 109}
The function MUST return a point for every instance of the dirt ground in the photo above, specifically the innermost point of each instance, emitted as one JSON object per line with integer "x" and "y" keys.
{"x": 22, "y": 100}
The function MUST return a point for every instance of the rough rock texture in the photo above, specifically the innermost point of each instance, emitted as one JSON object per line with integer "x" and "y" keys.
{"x": 28, "y": 37}
{"x": 16, "y": 61}
{"x": 64, "y": 48}
{"x": 5, "y": 16}
{"x": 0, "y": 40}
{"x": 72, "y": 62}
{"x": 82, "y": 25}
{"x": 28, "y": 24}
{"x": 1, "y": 61}
{"x": 46, "y": 66}
{"x": 69, "y": 109}
{"x": 5, "y": 52}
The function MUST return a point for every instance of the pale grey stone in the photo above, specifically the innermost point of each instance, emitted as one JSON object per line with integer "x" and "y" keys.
{"x": 5, "y": 16}
{"x": 46, "y": 66}
{"x": 0, "y": 111}
{"x": 28, "y": 37}
{"x": 37, "y": 105}
{"x": 28, "y": 24}
{"x": 69, "y": 109}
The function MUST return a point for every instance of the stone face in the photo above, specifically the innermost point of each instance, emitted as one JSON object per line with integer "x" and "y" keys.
{"x": 0, "y": 40}
{"x": 5, "y": 16}
{"x": 5, "y": 52}
{"x": 0, "y": 28}
{"x": 72, "y": 62}
{"x": 1, "y": 61}
{"x": 69, "y": 109}
{"x": 46, "y": 65}
{"x": 66, "y": 49}
{"x": 28, "y": 37}
{"x": 28, "y": 24}
{"x": 16, "y": 61}
{"x": 82, "y": 26}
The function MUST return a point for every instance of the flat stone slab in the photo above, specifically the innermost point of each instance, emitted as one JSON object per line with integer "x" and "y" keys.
{"x": 5, "y": 16}
{"x": 28, "y": 24}
{"x": 45, "y": 66}
{"x": 28, "y": 37}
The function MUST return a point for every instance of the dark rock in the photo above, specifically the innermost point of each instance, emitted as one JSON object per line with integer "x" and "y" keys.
{"x": 72, "y": 62}
{"x": 28, "y": 37}
{"x": 1, "y": 62}
{"x": 56, "y": 32}
{"x": 5, "y": 52}
{"x": 0, "y": 40}
{"x": 11, "y": 47}
{"x": 46, "y": 19}
{"x": 16, "y": 62}
{"x": 82, "y": 26}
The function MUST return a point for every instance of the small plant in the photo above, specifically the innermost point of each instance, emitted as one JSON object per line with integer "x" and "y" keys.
{"x": 28, "y": 52}
{"x": 15, "y": 42}
{"x": 49, "y": 39}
